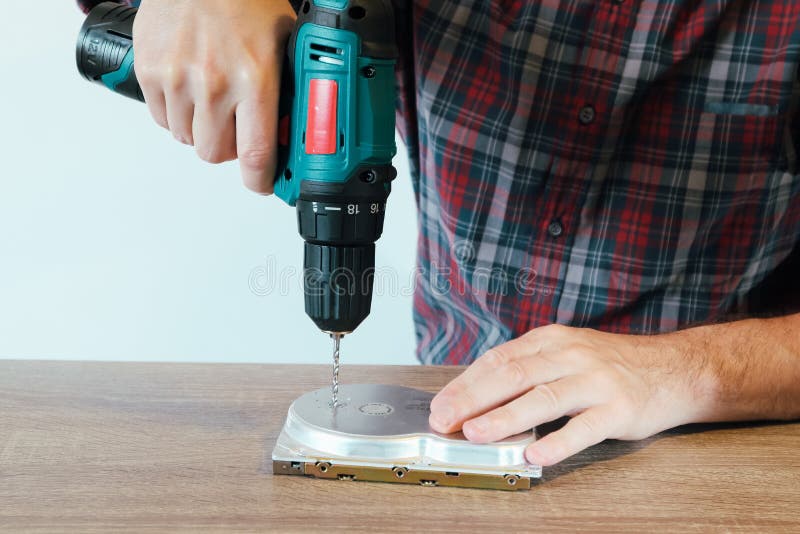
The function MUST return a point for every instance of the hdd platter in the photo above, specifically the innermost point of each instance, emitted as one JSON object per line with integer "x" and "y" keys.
{"x": 380, "y": 433}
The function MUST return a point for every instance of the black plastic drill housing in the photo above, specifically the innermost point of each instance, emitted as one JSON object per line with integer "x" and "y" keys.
{"x": 104, "y": 42}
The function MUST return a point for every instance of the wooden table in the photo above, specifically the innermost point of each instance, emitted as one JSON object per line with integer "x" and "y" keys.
{"x": 143, "y": 447}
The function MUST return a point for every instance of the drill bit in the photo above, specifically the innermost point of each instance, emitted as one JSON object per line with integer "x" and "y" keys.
{"x": 335, "y": 385}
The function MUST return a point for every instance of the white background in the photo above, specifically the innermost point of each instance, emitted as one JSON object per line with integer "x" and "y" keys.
{"x": 118, "y": 243}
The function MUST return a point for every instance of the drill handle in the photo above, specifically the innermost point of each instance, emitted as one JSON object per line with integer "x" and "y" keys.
{"x": 104, "y": 51}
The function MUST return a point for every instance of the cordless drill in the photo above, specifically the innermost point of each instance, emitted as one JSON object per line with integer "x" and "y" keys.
{"x": 336, "y": 139}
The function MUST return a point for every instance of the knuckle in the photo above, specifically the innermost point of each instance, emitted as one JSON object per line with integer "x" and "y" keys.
{"x": 174, "y": 78}
{"x": 530, "y": 335}
{"x": 159, "y": 116}
{"x": 253, "y": 75}
{"x": 161, "y": 120}
{"x": 256, "y": 157}
{"x": 625, "y": 411}
{"x": 145, "y": 73}
{"x": 635, "y": 433}
{"x": 516, "y": 373}
{"x": 500, "y": 417}
{"x": 495, "y": 358}
{"x": 594, "y": 424}
{"x": 214, "y": 84}
{"x": 440, "y": 401}
{"x": 554, "y": 330}
{"x": 548, "y": 396}
{"x": 575, "y": 353}
{"x": 588, "y": 422}
{"x": 462, "y": 398}
{"x": 212, "y": 154}
{"x": 605, "y": 380}
{"x": 550, "y": 358}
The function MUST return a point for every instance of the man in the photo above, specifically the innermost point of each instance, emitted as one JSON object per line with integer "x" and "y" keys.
{"x": 608, "y": 196}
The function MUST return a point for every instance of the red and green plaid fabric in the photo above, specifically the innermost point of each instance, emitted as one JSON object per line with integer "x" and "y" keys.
{"x": 626, "y": 165}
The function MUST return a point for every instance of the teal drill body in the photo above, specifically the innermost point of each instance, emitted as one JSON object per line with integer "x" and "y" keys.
{"x": 364, "y": 114}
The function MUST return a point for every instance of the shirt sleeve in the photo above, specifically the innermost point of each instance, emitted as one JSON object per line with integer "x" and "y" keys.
{"x": 87, "y": 5}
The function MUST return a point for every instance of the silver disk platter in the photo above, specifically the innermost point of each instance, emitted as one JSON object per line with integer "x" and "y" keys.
{"x": 380, "y": 433}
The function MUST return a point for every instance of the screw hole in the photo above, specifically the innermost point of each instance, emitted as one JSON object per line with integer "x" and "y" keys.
{"x": 357, "y": 12}
{"x": 287, "y": 173}
{"x": 368, "y": 177}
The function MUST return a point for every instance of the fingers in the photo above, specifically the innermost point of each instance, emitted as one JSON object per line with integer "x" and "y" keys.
{"x": 149, "y": 77}
{"x": 210, "y": 72}
{"x": 180, "y": 116}
{"x": 543, "y": 403}
{"x": 498, "y": 376}
{"x": 255, "y": 142}
{"x": 156, "y": 104}
{"x": 582, "y": 431}
{"x": 214, "y": 132}
{"x": 527, "y": 345}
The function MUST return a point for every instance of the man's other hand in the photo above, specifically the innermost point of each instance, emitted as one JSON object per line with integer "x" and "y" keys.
{"x": 210, "y": 73}
{"x": 613, "y": 386}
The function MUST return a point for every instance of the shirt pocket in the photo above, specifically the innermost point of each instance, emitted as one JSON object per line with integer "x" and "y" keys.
{"x": 720, "y": 145}
{"x": 736, "y": 144}
{"x": 696, "y": 183}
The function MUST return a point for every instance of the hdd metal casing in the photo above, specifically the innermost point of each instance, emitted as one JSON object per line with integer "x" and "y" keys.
{"x": 381, "y": 433}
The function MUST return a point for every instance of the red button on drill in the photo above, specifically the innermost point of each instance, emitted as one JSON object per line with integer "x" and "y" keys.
{"x": 321, "y": 124}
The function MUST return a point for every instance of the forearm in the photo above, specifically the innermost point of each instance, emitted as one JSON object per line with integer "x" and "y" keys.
{"x": 749, "y": 369}
{"x": 623, "y": 386}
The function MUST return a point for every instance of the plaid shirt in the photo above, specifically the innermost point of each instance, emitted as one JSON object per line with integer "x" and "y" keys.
{"x": 627, "y": 165}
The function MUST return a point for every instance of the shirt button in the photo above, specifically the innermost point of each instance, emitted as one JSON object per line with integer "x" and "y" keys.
{"x": 587, "y": 115}
{"x": 555, "y": 228}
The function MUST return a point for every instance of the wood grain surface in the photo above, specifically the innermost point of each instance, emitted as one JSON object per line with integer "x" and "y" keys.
{"x": 96, "y": 447}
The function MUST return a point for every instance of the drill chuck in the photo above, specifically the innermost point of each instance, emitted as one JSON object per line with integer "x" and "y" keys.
{"x": 338, "y": 285}
{"x": 340, "y": 224}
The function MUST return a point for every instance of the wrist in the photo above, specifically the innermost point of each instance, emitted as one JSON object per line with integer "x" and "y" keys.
{"x": 699, "y": 351}
{"x": 745, "y": 370}
{"x": 683, "y": 379}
